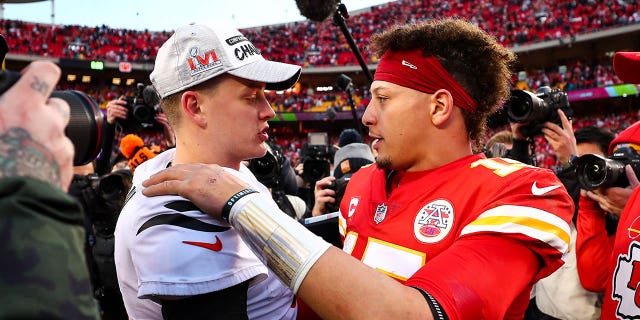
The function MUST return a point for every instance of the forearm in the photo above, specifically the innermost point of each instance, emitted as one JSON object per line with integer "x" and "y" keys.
{"x": 330, "y": 281}
{"x": 593, "y": 246}
{"x": 340, "y": 287}
{"x": 22, "y": 156}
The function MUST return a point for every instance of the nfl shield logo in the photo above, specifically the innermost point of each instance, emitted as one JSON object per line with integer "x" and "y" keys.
{"x": 381, "y": 213}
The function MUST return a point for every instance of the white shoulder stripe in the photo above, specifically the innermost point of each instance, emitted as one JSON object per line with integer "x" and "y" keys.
{"x": 532, "y": 222}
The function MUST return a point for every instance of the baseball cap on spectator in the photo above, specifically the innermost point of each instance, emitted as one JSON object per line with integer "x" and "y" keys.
{"x": 196, "y": 53}
{"x": 627, "y": 66}
{"x": 628, "y": 135}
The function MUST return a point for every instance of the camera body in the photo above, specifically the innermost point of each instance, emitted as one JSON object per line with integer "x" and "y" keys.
{"x": 101, "y": 197}
{"x": 267, "y": 168}
{"x": 536, "y": 109}
{"x": 316, "y": 164}
{"x": 338, "y": 186}
{"x": 594, "y": 171}
{"x": 142, "y": 109}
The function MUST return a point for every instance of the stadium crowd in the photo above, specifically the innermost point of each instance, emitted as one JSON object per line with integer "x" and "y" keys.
{"x": 513, "y": 23}
{"x": 312, "y": 44}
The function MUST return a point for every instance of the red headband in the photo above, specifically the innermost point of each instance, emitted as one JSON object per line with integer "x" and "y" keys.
{"x": 413, "y": 70}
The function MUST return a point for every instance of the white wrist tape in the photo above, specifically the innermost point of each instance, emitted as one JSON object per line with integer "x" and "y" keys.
{"x": 286, "y": 246}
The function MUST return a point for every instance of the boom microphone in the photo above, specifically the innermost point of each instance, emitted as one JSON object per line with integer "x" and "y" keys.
{"x": 133, "y": 148}
{"x": 317, "y": 10}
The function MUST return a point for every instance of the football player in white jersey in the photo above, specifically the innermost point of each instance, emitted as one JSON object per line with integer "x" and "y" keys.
{"x": 172, "y": 260}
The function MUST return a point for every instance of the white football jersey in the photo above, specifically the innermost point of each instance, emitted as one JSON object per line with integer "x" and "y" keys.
{"x": 165, "y": 246}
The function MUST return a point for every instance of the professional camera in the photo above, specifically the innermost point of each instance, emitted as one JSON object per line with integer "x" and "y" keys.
{"x": 142, "y": 108}
{"x": 594, "y": 171}
{"x": 85, "y": 128}
{"x": 536, "y": 109}
{"x": 316, "y": 164}
{"x": 267, "y": 168}
{"x": 101, "y": 196}
{"x": 339, "y": 186}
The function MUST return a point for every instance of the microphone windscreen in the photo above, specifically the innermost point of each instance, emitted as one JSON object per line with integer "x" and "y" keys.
{"x": 143, "y": 154}
{"x": 129, "y": 144}
{"x": 317, "y": 10}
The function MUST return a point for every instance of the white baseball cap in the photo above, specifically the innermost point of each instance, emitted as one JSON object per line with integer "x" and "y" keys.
{"x": 196, "y": 53}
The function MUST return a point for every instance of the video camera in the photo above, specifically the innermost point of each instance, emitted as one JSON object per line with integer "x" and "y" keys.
{"x": 316, "y": 164}
{"x": 142, "y": 109}
{"x": 536, "y": 109}
{"x": 594, "y": 171}
{"x": 338, "y": 186}
{"x": 267, "y": 168}
{"x": 101, "y": 197}
{"x": 86, "y": 121}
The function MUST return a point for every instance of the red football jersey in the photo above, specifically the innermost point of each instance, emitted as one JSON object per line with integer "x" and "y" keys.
{"x": 465, "y": 232}
{"x": 622, "y": 294}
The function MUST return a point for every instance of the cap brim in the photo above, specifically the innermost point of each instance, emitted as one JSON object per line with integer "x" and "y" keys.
{"x": 276, "y": 75}
{"x": 627, "y": 66}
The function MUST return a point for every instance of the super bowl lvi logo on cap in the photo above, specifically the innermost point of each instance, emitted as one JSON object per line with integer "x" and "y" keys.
{"x": 199, "y": 63}
{"x": 196, "y": 53}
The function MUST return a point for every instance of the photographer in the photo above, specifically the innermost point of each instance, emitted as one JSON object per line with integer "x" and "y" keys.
{"x": 604, "y": 259}
{"x": 352, "y": 154}
{"x": 121, "y": 121}
{"x": 560, "y": 295}
{"x": 101, "y": 198}
{"x": 44, "y": 271}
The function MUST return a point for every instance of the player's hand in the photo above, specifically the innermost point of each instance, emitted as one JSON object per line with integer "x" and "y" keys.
{"x": 208, "y": 186}
{"x": 323, "y": 195}
{"x": 32, "y": 128}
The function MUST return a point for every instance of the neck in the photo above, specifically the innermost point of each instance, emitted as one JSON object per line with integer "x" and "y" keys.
{"x": 194, "y": 152}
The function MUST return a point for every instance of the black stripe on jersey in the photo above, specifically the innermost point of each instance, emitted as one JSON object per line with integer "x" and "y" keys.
{"x": 181, "y": 206}
{"x": 183, "y": 221}
{"x": 132, "y": 191}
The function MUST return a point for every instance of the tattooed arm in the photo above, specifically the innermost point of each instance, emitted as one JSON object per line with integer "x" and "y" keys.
{"x": 32, "y": 138}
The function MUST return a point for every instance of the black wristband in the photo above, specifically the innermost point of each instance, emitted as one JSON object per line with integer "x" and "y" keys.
{"x": 436, "y": 310}
{"x": 226, "y": 210}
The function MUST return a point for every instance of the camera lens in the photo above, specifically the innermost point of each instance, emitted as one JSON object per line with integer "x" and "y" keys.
{"x": 519, "y": 108}
{"x": 594, "y": 171}
{"x": 85, "y": 128}
{"x": 143, "y": 113}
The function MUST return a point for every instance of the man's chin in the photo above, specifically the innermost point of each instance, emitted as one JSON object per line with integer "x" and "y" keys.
{"x": 384, "y": 162}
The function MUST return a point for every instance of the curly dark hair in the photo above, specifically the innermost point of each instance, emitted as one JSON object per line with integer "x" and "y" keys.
{"x": 474, "y": 59}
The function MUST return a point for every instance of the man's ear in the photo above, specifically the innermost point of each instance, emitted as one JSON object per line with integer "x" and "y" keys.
{"x": 441, "y": 107}
{"x": 191, "y": 102}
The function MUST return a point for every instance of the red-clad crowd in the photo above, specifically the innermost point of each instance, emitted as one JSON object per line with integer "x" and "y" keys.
{"x": 312, "y": 44}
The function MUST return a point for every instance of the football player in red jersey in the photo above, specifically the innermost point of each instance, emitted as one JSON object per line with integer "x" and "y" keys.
{"x": 437, "y": 232}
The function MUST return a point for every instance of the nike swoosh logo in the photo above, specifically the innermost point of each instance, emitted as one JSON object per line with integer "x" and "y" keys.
{"x": 216, "y": 246}
{"x": 409, "y": 64}
{"x": 540, "y": 191}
